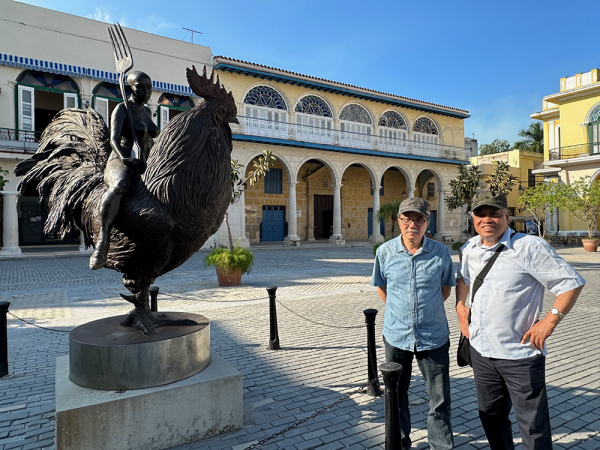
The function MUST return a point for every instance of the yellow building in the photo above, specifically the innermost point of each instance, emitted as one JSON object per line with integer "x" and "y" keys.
{"x": 522, "y": 164}
{"x": 571, "y": 138}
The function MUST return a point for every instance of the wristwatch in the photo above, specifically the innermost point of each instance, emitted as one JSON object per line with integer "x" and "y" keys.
{"x": 556, "y": 312}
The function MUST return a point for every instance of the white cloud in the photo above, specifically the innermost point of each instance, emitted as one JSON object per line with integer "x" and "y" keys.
{"x": 102, "y": 16}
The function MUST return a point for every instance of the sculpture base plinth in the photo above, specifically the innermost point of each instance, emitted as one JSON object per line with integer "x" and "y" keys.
{"x": 204, "y": 405}
{"x": 105, "y": 355}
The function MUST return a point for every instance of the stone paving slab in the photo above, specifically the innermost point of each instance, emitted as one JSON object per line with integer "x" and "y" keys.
{"x": 316, "y": 366}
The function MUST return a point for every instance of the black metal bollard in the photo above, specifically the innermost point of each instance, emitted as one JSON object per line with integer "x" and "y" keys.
{"x": 391, "y": 376}
{"x": 154, "y": 298}
{"x": 3, "y": 339}
{"x": 373, "y": 388}
{"x": 274, "y": 338}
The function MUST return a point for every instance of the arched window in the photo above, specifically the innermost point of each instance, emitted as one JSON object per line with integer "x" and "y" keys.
{"x": 40, "y": 95}
{"x": 356, "y": 126}
{"x": 314, "y": 113}
{"x": 264, "y": 102}
{"x": 169, "y": 105}
{"x": 425, "y": 130}
{"x": 594, "y": 132}
{"x": 392, "y": 126}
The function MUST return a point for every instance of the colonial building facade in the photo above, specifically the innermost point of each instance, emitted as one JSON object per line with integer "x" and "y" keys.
{"x": 341, "y": 150}
{"x": 571, "y": 138}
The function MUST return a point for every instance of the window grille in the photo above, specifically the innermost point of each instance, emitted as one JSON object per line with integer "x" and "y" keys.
{"x": 266, "y": 97}
{"x": 355, "y": 113}
{"x": 274, "y": 181}
{"x": 313, "y": 105}
{"x": 431, "y": 189}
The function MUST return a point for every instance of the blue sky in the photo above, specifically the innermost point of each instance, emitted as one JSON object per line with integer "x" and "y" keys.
{"x": 495, "y": 59}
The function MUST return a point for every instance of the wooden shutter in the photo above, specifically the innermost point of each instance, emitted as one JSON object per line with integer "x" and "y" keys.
{"x": 164, "y": 117}
{"x": 26, "y": 108}
{"x": 101, "y": 107}
{"x": 70, "y": 101}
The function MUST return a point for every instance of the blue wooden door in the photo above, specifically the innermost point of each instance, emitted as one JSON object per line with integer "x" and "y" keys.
{"x": 273, "y": 223}
{"x": 432, "y": 222}
{"x": 370, "y": 224}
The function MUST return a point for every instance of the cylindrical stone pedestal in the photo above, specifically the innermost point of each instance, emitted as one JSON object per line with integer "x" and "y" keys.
{"x": 10, "y": 232}
{"x": 104, "y": 355}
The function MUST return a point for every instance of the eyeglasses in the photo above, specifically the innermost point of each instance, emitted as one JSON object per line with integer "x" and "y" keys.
{"x": 493, "y": 214}
{"x": 418, "y": 222}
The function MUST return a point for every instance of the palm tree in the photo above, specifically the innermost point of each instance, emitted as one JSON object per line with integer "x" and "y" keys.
{"x": 389, "y": 211}
{"x": 533, "y": 138}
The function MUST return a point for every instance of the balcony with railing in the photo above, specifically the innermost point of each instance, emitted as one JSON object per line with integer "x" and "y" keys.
{"x": 18, "y": 141}
{"x": 250, "y": 126}
{"x": 574, "y": 151}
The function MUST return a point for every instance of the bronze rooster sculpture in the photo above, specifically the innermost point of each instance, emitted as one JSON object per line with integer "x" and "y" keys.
{"x": 168, "y": 212}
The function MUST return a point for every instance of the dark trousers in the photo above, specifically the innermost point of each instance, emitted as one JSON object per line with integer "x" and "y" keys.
{"x": 435, "y": 368}
{"x": 520, "y": 383}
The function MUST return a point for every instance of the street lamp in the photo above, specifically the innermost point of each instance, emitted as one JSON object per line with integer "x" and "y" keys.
{"x": 403, "y": 193}
{"x": 520, "y": 189}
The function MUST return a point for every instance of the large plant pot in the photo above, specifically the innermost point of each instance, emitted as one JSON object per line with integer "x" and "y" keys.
{"x": 229, "y": 278}
{"x": 590, "y": 245}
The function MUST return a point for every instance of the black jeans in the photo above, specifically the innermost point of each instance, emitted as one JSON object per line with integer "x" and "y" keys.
{"x": 520, "y": 383}
{"x": 435, "y": 368}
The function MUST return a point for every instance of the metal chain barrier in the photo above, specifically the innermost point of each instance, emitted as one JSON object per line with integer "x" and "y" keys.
{"x": 37, "y": 326}
{"x": 339, "y": 327}
{"x": 181, "y": 297}
{"x": 306, "y": 419}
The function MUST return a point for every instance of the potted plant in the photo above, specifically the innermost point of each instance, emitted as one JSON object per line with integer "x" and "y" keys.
{"x": 582, "y": 199}
{"x": 230, "y": 264}
{"x": 233, "y": 261}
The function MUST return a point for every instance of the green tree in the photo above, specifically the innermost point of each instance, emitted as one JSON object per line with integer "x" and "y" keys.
{"x": 260, "y": 167}
{"x": 463, "y": 187}
{"x": 497, "y": 146}
{"x": 533, "y": 138}
{"x": 582, "y": 199}
{"x": 389, "y": 211}
{"x": 540, "y": 201}
{"x": 500, "y": 180}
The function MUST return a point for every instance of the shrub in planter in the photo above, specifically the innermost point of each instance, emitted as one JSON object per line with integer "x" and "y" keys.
{"x": 230, "y": 264}
{"x": 376, "y": 246}
{"x": 457, "y": 245}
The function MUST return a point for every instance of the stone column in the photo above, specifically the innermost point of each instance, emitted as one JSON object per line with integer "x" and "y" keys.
{"x": 242, "y": 240}
{"x": 337, "y": 237}
{"x": 411, "y": 192}
{"x": 292, "y": 237}
{"x": 10, "y": 224}
{"x": 375, "y": 235}
{"x": 441, "y": 215}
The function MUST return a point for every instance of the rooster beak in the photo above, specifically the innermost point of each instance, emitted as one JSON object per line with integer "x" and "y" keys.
{"x": 233, "y": 119}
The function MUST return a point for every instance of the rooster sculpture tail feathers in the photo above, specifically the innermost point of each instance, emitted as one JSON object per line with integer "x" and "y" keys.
{"x": 68, "y": 166}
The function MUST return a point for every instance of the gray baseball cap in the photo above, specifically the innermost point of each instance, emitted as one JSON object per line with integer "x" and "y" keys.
{"x": 415, "y": 204}
{"x": 489, "y": 198}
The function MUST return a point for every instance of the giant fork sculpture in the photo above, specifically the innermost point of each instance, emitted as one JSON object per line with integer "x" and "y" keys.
{"x": 124, "y": 63}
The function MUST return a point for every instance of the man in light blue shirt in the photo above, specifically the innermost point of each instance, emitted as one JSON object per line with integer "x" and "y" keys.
{"x": 508, "y": 329}
{"x": 414, "y": 277}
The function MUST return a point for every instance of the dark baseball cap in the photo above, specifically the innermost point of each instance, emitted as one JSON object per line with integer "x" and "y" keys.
{"x": 415, "y": 204}
{"x": 489, "y": 198}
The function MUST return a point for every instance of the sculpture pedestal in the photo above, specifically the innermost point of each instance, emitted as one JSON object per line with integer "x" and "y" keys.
{"x": 203, "y": 405}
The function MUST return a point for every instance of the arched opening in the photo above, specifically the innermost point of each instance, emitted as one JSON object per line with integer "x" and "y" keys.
{"x": 396, "y": 189}
{"x": 425, "y": 130}
{"x": 316, "y": 120}
{"x": 40, "y": 95}
{"x": 315, "y": 198}
{"x": 357, "y": 202}
{"x": 427, "y": 186}
{"x": 170, "y": 105}
{"x": 356, "y": 125}
{"x": 265, "y": 113}
{"x": 594, "y": 132}
{"x": 266, "y": 204}
{"x": 105, "y": 97}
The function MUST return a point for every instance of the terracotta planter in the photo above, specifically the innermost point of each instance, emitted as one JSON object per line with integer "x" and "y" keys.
{"x": 590, "y": 245}
{"x": 229, "y": 278}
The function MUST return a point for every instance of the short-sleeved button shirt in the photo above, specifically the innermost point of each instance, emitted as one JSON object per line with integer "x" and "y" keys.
{"x": 414, "y": 310}
{"x": 510, "y": 300}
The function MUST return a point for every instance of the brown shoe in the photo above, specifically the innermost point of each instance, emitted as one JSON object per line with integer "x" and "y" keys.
{"x": 97, "y": 260}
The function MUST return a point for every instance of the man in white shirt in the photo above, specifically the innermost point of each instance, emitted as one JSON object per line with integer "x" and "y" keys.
{"x": 508, "y": 329}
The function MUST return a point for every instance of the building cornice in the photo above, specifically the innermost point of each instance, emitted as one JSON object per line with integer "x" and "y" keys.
{"x": 573, "y": 93}
{"x": 265, "y": 72}
{"x": 546, "y": 115}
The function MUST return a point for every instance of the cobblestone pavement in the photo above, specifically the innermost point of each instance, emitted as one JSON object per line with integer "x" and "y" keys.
{"x": 316, "y": 366}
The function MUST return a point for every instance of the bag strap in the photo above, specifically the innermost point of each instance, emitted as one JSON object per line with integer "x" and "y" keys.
{"x": 483, "y": 273}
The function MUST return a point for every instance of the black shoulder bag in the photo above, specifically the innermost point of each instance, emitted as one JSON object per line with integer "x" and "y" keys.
{"x": 463, "y": 355}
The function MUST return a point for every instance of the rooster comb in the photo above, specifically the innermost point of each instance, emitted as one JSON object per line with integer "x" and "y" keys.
{"x": 208, "y": 88}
